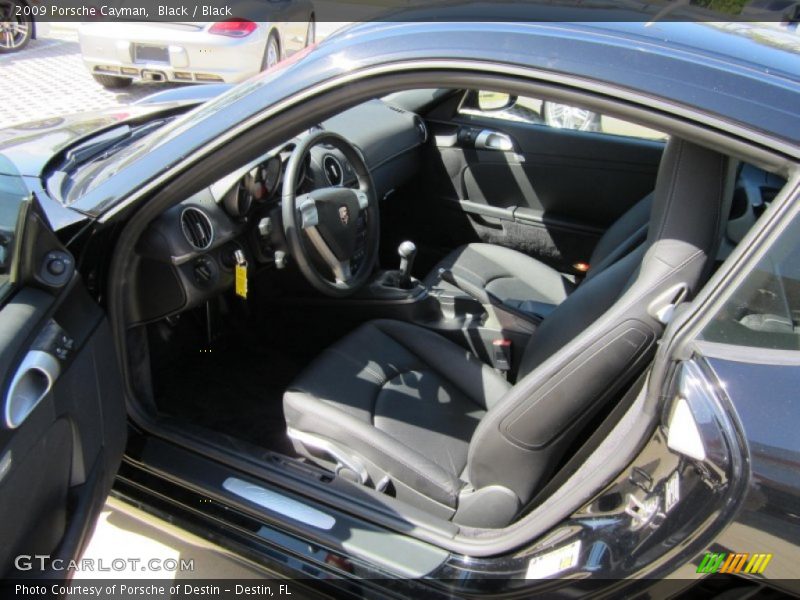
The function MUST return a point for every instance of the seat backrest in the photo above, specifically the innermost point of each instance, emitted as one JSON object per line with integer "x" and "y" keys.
{"x": 604, "y": 334}
{"x": 625, "y": 235}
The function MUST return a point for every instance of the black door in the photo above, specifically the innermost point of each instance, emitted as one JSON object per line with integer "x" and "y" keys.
{"x": 63, "y": 420}
{"x": 539, "y": 177}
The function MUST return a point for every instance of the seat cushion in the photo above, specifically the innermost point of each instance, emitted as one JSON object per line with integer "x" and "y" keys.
{"x": 401, "y": 397}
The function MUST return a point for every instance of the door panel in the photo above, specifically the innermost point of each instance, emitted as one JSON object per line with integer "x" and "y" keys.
{"x": 552, "y": 192}
{"x": 592, "y": 191}
{"x": 63, "y": 421}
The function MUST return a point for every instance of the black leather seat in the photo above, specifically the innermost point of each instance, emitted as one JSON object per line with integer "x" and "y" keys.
{"x": 403, "y": 398}
{"x": 401, "y": 408}
{"x": 528, "y": 285}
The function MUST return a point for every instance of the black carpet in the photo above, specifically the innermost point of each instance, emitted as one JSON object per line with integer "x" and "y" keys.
{"x": 236, "y": 388}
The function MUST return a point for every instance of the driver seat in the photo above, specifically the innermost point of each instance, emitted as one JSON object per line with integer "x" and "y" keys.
{"x": 401, "y": 408}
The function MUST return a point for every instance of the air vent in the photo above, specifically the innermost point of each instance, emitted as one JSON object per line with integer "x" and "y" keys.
{"x": 197, "y": 228}
{"x": 333, "y": 170}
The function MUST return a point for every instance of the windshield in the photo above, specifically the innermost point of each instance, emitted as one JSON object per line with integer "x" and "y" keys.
{"x": 90, "y": 178}
{"x": 91, "y": 175}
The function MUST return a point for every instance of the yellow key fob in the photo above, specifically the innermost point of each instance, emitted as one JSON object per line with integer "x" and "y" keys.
{"x": 240, "y": 275}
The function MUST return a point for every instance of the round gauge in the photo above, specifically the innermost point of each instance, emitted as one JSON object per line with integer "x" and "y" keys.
{"x": 271, "y": 175}
{"x": 254, "y": 182}
{"x": 239, "y": 200}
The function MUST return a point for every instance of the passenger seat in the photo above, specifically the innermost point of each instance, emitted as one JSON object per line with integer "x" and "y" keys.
{"x": 528, "y": 285}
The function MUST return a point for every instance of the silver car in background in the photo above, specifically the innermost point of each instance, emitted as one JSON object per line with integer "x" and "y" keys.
{"x": 229, "y": 51}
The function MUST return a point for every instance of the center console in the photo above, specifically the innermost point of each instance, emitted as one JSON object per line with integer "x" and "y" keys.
{"x": 456, "y": 309}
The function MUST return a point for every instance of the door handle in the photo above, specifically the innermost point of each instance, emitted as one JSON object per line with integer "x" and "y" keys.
{"x": 494, "y": 140}
{"x": 31, "y": 383}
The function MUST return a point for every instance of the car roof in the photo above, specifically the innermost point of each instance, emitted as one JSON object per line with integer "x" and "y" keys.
{"x": 734, "y": 72}
{"x": 692, "y": 62}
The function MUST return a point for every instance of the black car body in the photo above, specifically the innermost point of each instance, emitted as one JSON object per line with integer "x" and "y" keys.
{"x": 638, "y": 500}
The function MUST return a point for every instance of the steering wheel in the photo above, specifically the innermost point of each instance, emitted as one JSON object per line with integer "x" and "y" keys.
{"x": 335, "y": 228}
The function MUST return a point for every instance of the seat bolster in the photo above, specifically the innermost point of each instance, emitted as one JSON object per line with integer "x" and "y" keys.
{"x": 625, "y": 235}
{"x": 309, "y": 414}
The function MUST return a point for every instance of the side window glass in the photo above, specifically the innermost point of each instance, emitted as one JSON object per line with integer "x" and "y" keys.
{"x": 497, "y": 105}
{"x": 764, "y": 312}
{"x": 12, "y": 195}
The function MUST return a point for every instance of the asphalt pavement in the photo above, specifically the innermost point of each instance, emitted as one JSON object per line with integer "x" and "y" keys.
{"x": 48, "y": 79}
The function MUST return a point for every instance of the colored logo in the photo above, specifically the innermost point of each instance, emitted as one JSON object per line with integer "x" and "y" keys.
{"x": 723, "y": 562}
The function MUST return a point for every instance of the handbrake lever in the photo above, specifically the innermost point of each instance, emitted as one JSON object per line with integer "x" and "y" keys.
{"x": 466, "y": 286}
{"x": 498, "y": 314}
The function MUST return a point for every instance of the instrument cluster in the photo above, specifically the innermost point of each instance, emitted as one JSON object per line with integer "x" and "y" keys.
{"x": 258, "y": 185}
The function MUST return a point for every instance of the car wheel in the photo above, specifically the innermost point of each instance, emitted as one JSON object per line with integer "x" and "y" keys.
{"x": 272, "y": 53}
{"x": 112, "y": 82}
{"x": 311, "y": 32}
{"x": 15, "y": 30}
{"x": 564, "y": 116}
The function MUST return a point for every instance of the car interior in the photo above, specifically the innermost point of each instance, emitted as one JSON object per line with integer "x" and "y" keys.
{"x": 435, "y": 297}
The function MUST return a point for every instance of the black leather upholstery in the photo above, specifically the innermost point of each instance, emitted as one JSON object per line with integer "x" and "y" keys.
{"x": 400, "y": 396}
{"x": 450, "y": 432}
{"x": 626, "y": 234}
{"x": 529, "y": 285}
{"x": 605, "y": 332}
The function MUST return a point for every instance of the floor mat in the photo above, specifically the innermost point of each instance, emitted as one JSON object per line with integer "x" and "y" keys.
{"x": 235, "y": 383}
{"x": 235, "y": 388}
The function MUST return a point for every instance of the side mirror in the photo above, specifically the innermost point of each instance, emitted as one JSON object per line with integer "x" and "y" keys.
{"x": 493, "y": 101}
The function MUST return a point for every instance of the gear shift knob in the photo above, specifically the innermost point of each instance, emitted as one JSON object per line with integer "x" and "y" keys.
{"x": 407, "y": 249}
{"x": 407, "y": 252}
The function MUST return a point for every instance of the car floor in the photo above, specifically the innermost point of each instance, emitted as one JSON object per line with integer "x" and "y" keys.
{"x": 233, "y": 385}
{"x": 233, "y": 390}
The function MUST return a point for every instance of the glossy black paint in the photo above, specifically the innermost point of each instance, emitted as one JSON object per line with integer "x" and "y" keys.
{"x": 35, "y": 143}
{"x": 32, "y": 147}
{"x": 766, "y": 403}
{"x": 194, "y": 93}
{"x": 694, "y": 65}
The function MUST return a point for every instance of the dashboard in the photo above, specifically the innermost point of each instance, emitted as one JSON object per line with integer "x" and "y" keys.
{"x": 188, "y": 254}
